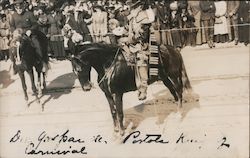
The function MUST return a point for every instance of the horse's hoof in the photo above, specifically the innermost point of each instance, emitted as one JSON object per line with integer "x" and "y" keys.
{"x": 26, "y": 98}
{"x": 122, "y": 132}
{"x": 116, "y": 130}
{"x": 40, "y": 93}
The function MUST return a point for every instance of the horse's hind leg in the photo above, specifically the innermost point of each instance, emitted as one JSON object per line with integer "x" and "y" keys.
{"x": 22, "y": 77}
{"x": 175, "y": 87}
{"x": 179, "y": 89}
{"x": 171, "y": 88}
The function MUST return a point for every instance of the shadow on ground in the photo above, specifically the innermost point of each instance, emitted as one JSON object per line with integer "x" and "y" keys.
{"x": 54, "y": 92}
{"x": 5, "y": 79}
{"x": 160, "y": 107}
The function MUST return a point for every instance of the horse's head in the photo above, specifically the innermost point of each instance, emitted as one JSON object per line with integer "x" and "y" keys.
{"x": 19, "y": 45}
{"x": 98, "y": 56}
{"x": 82, "y": 70}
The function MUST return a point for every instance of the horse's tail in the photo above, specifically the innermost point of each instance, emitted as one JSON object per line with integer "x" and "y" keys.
{"x": 185, "y": 79}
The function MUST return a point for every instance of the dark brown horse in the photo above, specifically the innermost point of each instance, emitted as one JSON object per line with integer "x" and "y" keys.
{"x": 25, "y": 58}
{"x": 115, "y": 77}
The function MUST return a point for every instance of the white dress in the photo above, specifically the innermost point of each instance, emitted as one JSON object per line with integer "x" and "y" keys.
{"x": 100, "y": 26}
{"x": 4, "y": 33}
{"x": 220, "y": 28}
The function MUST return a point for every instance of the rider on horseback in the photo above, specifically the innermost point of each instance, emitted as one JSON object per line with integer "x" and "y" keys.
{"x": 138, "y": 36}
{"x": 25, "y": 21}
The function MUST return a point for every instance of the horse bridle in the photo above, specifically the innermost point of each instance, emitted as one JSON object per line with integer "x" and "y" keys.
{"x": 109, "y": 68}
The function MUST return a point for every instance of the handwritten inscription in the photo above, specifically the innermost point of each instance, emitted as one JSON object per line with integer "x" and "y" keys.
{"x": 65, "y": 143}
{"x": 34, "y": 148}
{"x": 136, "y": 138}
{"x": 224, "y": 143}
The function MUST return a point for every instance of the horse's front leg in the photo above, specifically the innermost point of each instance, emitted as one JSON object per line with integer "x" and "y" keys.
{"x": 119, "y": 108}
{"x": 31, "y": 74}
{"x": 39, "y": 83}
{"x": 22, "y": 77}
{"x": 44, "y": 81}
{"x": 113, "y": 111}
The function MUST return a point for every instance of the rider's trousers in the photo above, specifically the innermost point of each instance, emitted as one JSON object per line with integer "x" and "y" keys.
{"x": 142, "y": 78}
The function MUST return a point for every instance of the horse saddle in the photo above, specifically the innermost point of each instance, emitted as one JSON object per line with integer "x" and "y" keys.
{"x": 129, "y": 53}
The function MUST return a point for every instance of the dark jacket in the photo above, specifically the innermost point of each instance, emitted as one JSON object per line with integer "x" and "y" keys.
{"x": 55, "y": 24}
{"x": 175, "y": 22}
{"x": 244, "y": 12}
{"x": 25, "y": 21}
{"x": 207, "y": 9}
{"x": 162, "y": 15}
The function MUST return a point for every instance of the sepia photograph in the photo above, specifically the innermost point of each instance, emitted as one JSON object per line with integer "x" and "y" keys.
{"x": 124, "y": 78}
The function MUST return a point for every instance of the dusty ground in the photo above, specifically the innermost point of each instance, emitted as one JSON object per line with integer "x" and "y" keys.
{"x": 214, "y": 121}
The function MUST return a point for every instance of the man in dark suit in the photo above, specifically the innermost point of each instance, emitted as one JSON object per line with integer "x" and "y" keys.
{"x": 26, "y": 21}
{"x": 232, "y": 16}
{"x": 162, "y": 22}
{"x": 244, "y": 21}
{"x": 208, "y": 18}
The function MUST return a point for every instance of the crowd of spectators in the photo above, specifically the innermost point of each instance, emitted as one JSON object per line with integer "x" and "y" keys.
{"x": 178, "y": 23}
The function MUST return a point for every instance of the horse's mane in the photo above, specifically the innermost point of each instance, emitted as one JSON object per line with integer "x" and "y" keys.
{"x": 88, "y": 49}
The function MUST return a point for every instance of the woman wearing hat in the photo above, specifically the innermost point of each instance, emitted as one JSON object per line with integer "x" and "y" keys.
{"x": 100, "y": 25}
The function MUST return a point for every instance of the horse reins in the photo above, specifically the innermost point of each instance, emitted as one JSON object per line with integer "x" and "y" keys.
{"x": 110, "y": 68}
